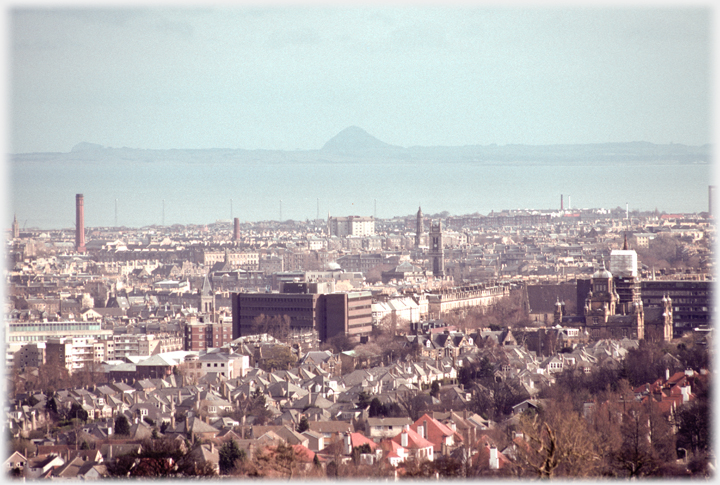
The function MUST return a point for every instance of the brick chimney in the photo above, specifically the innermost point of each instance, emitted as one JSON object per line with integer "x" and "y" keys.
{"x": 79, "y": 223}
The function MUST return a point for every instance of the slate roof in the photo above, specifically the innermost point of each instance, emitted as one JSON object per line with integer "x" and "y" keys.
{"x": 542, "y": 298}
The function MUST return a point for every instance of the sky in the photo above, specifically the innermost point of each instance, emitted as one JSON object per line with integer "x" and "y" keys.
{"x": 292, "y": 77}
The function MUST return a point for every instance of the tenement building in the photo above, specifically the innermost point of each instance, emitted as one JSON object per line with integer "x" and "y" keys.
{"x": 447, "y": 300}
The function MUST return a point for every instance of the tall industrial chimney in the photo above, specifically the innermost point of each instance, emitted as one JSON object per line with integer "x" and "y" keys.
{"x": 561, "y": 202}
{"x": 79, "y": 223}
{"x": 236, "y": 233}
{"x": 711, "y": 190}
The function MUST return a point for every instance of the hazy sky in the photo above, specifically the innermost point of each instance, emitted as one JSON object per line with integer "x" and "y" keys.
{"x": 291, "y": 78}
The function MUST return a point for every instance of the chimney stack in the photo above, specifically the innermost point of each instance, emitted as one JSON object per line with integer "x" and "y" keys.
{"x": 404, "y": 437}
{"x": 236, "y": 232}
{"x": 79, "y": 223}
{"x": 348, "y": 444}
{"x": 494, "y": 461}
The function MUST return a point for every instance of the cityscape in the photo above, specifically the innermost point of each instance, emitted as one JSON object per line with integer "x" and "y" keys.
{"x": 418, "y": 346}
{"x": 380, "y": 243}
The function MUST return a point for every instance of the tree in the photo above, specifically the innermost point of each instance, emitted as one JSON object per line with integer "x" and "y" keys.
{"x": 278, "y": 357}
{"x": 557, "y": 442}
{"x": 229, "y": 453}
{"x": 122, "y": 426}
{"x": 338, "y": 343}
{"x": 77, "y": 412}
{"x": 258, "y": 407}
{"x": 277, "y": 326}
{"x": 435, "y": 389}
{"x": 693, "y": 423}
{"x": 273, "y": 462}
{"x": 163, "y": 458}
{"x": 635, "y": 457}
{"x": 364, "y": 399}
{"x": 303, "y": 425}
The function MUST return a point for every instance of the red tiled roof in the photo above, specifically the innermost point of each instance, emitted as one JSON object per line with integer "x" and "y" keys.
{"x": 483, "y": 457}
{"x": 415, "y": 441}
{"x": 357, "y": 439}
{"x": 390, "y": 448}
{"x": 436, "y": 431}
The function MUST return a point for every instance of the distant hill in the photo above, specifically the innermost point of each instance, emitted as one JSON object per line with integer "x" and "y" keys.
{"x": 353, "y": 144}
{"x": 356, "y": 141}
{"x": 83, "y": 146}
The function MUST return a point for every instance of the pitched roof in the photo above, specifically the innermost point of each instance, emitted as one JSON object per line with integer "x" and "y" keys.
{"x": 435, "y": 431}
{"x": 415, "y": 441}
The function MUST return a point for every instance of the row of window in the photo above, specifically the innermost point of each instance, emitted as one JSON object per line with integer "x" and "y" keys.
{"x": 51, "y": 327}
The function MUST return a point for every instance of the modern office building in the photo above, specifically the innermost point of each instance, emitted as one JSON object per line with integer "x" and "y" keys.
{"x": 328, "y": 314}
{"x": 692, "y": 301}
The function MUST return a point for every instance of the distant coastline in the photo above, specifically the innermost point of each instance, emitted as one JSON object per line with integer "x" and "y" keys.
{"x": 607, "y": 153}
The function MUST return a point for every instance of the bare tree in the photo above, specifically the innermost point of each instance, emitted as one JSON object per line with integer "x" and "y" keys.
{"x": 557, "y": 442}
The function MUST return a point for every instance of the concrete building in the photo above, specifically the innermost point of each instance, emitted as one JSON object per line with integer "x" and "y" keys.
{"x": 18, "y": 334}
{"x": 692, "y": 301}
{"x": 77, "y": 352}
{"x": 328, "y": 314}
{"x": 351, "y": 226}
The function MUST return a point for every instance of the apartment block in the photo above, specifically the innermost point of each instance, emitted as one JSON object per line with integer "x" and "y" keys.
{"x": 202, "y": 336}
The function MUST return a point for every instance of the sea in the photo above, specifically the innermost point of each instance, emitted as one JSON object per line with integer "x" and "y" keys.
{"x": 41, "y": 194}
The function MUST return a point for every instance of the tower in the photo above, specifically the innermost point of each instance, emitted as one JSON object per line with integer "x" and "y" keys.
{"x": 79, "y": 223}
{"x": 207, "y": 297}
{"x": 623, "y": 266}
{"x": 419, "y": 227}
{"x": 711, "y": 190}
{"x": 15, "y": 228}
{"x": 437, "y": 258}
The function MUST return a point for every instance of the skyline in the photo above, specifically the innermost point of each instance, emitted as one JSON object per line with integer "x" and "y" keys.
{"x": 290, "y": 78}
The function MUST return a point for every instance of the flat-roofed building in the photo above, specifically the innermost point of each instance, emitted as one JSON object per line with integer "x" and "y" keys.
{"x": 692, "y": 301}
{"x": 18, "y": 334}
{"x": 76, "y": 352}
{"x": 328, "y": 314}
{"x": 351, "y": 226}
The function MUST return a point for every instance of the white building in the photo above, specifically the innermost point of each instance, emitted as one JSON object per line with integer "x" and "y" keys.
{"x": 351, "y": 226}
